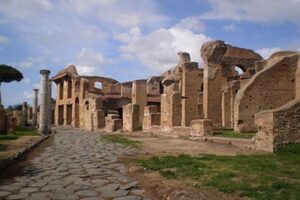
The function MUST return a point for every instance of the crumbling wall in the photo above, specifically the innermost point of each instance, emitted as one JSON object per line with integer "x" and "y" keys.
{"x": 220, "y": 60}
{"x": 126, "y": 89}
{"x": 131, "y": 116}
{"x": 115, "y": 88}
{"x": 139, "y": 96}
{"x": 170, "y": 107}
{"x": 228, "y": 97}
{"x": 190, "y": 85}
{"x": 270, "y": 88}
{"x": 154, "y": 86}
{"x": 151, "y": 117}
{"x": 112, "y": 123}
{"x": 278, "y": 127}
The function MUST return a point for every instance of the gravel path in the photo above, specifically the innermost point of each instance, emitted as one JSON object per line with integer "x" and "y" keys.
{"x": 77, "y": 166}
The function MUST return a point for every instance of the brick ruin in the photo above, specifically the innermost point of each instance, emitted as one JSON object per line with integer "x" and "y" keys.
{"x": 234, "y": 89}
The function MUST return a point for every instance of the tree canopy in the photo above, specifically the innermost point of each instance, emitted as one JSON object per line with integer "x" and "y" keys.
{"x": 8, "y": 74}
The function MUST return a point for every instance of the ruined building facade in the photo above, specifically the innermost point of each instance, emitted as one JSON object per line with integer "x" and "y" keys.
{"x": 234, "y": 89}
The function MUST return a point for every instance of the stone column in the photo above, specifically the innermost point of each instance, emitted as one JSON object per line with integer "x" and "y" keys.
{"x": 49, "y": 105}
{"x": 43, "y": 128}
{"x": 24, "y": 116}
{"x": 35, "y": 105}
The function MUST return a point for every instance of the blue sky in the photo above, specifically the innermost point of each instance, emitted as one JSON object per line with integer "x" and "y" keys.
{"x": 132, "y": 39}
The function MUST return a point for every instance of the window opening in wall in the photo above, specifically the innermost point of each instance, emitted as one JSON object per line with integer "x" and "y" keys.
{"x": 86, "y": 105}
{"x": 98, "y": 85}
{"x": 77, "y": 86}
{"x": 61, "y": 90}
{"x": 239, "y": 70}
{"x": 69, "y": 88}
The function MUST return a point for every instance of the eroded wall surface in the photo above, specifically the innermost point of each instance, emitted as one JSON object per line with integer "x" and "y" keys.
{"x": 278, "y": 127}
{"x": 270, "y": 88}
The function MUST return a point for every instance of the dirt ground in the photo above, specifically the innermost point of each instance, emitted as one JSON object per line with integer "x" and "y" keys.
{"x": 158, "y": 187}
{"x": 11, "y": 147}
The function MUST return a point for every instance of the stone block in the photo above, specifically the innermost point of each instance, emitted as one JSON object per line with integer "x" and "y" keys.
{"x": 100, "y": 118}
{"x": 151, "y": 117}
{"x": 278, "y": 127}
{"x": 113, "y": 123}
{"x": 201, "y": 128}
{"x": 131, "y": 116}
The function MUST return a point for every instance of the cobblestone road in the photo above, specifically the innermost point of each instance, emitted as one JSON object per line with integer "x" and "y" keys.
{"x": 77, "y": 166}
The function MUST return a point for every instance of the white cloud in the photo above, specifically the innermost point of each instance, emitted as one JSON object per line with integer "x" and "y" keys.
{"x": 254, "y": 10}
{"x": 229, "y": 27}
{"x": 3, "y": 40}
{"x": 158, "y": 49}
{"x": 89, "y": 62}
{"x": 24, "y": 9}
{"x": 30, "y": 62}
{"x": 267, "y": 52}
{"x": 117, "y": 12}
{"x": 27, "y": 95}
{"x": 191, "y": 23}
{"x": 26, "y": 80}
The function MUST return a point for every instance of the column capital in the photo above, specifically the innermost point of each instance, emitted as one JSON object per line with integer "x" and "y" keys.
{"x": 35, "y": 89}
{"x": 45, "y": 72}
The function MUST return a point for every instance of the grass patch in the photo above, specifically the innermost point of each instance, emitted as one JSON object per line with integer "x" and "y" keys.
{"x": 26, "y": 132}
{"x": 8, "y": 137}
{"x": 19, "y": 132}
{"x": 122, "y": 140}
{"x": 272, "y": 176}
{"x": 232, "y": 134}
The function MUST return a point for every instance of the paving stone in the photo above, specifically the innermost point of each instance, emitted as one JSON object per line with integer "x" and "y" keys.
{"x": 113, "y": 194}
{"x": 131, "y": 197}
{"x": 129, "y": 186}
{"x": 138, "y": 191}
{"x": 93, "y": 198}
{"x": 4, "y": 194}
{"x": 51, "y": 187}
{"x": 108, "y": 188}
{"x": 17, "y": 196}
{"x": 38, "y": 184}
{"x": 86, "y": 193}
{"x": 9, "y": 188}
{"x": 76, "y": 166}
{"x": 29, "y": 190}
{"x": 99, "y": 182}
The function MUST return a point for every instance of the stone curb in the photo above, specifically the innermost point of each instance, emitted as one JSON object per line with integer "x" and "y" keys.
{"x": 7, "y": 161}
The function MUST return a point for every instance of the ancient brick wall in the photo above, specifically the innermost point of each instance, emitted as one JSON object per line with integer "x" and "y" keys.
{"x": 228, "y": 97}
{"x": 170, "y": 107}
{"x": 151, "y": 117}
{"x": 278, "y": 127}
{"x": 126, "y": 89}
{"x": 220, "y": 60}
{"x": 131, "y": 116}
{"x": 190, "y": 87}
{"x": 139, "y": 96}
{"x": 270, "y": 88}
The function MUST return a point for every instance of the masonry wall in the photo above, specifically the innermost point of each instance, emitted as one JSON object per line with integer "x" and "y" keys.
{"x": 170, "y": 107}
{"x": 126, "y": 89}
{"x": 228, "y": 97}
{"x": 131, "y": 117}
{"x": 139, "y": 96}
{"x": 271, "y": 88}
{"x": 191, "y": 84}
{"x": 220, "y": 60}
{"x": 278, "y": 127}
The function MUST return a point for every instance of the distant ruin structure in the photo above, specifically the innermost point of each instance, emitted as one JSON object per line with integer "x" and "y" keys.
{"x": 234, "y": 89}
